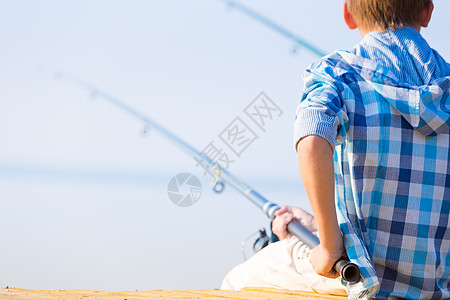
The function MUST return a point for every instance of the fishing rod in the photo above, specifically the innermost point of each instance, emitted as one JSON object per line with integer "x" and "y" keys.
{"x": 349, "y": 271}
{"x": 276, "y": 27}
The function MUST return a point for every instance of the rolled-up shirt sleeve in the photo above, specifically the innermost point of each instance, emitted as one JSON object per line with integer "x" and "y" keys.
{"x": 321, "y": 111}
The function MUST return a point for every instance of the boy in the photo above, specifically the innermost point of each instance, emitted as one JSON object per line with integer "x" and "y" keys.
{"x": 382, "y": 110}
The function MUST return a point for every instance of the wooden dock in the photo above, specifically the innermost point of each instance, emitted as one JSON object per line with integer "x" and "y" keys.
{"x": 247, "y": 294}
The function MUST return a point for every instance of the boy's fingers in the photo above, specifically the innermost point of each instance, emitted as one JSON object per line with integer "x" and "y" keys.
{"x": 281, "y": 211}
{"x": 279, "y": 226}
{"x": 287, "y": 218}
{"x": 322, "y": 263}
{"x": 335, "y": 274}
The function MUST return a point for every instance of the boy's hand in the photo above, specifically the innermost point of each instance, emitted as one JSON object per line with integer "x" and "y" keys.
{"x": 323, "y": 260}
{"x": 285, "y": 215}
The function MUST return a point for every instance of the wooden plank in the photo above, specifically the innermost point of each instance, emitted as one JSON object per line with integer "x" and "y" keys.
{"x": 246, "y": 294}
{"x": 306, "y": 295}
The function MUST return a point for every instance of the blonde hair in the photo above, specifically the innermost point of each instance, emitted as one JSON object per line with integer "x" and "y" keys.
{"x": 384, "y": 14}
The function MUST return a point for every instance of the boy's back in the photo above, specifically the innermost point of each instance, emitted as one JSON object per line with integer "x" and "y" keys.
{"x": 385, "y": 106}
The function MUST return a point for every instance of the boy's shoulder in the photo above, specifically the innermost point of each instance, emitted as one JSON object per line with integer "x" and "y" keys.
{"x": 343, "y": 66}
{"x": 339, "y": 63}
{"x": 332, "y": 64}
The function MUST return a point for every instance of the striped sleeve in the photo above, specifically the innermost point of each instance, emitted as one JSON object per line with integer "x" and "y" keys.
{"x": 321, "y": 111}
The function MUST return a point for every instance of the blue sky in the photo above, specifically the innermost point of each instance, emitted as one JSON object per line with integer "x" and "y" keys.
{"x": 83, "y": 198}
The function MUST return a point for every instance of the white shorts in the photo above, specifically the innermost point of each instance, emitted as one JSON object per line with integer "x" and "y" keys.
{"x": 284, "y": 264}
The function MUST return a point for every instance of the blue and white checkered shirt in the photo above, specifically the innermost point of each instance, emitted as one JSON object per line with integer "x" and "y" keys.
{"x": 384, "y": 105}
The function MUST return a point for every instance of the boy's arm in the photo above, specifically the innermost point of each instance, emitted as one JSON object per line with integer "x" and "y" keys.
{"x": 315, "y": 159}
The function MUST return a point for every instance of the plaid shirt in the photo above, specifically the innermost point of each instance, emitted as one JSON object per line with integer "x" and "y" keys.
{"x": 384, "y": 106}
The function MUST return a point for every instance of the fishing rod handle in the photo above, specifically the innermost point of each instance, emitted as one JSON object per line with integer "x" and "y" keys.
{"x": 348, "y": 270}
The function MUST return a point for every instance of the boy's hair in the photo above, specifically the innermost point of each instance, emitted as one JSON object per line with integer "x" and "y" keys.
{"x": 384, "y": 14}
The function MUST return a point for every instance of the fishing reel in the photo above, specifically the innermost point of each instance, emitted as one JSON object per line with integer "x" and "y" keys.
{"x": 262, "y": 241}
